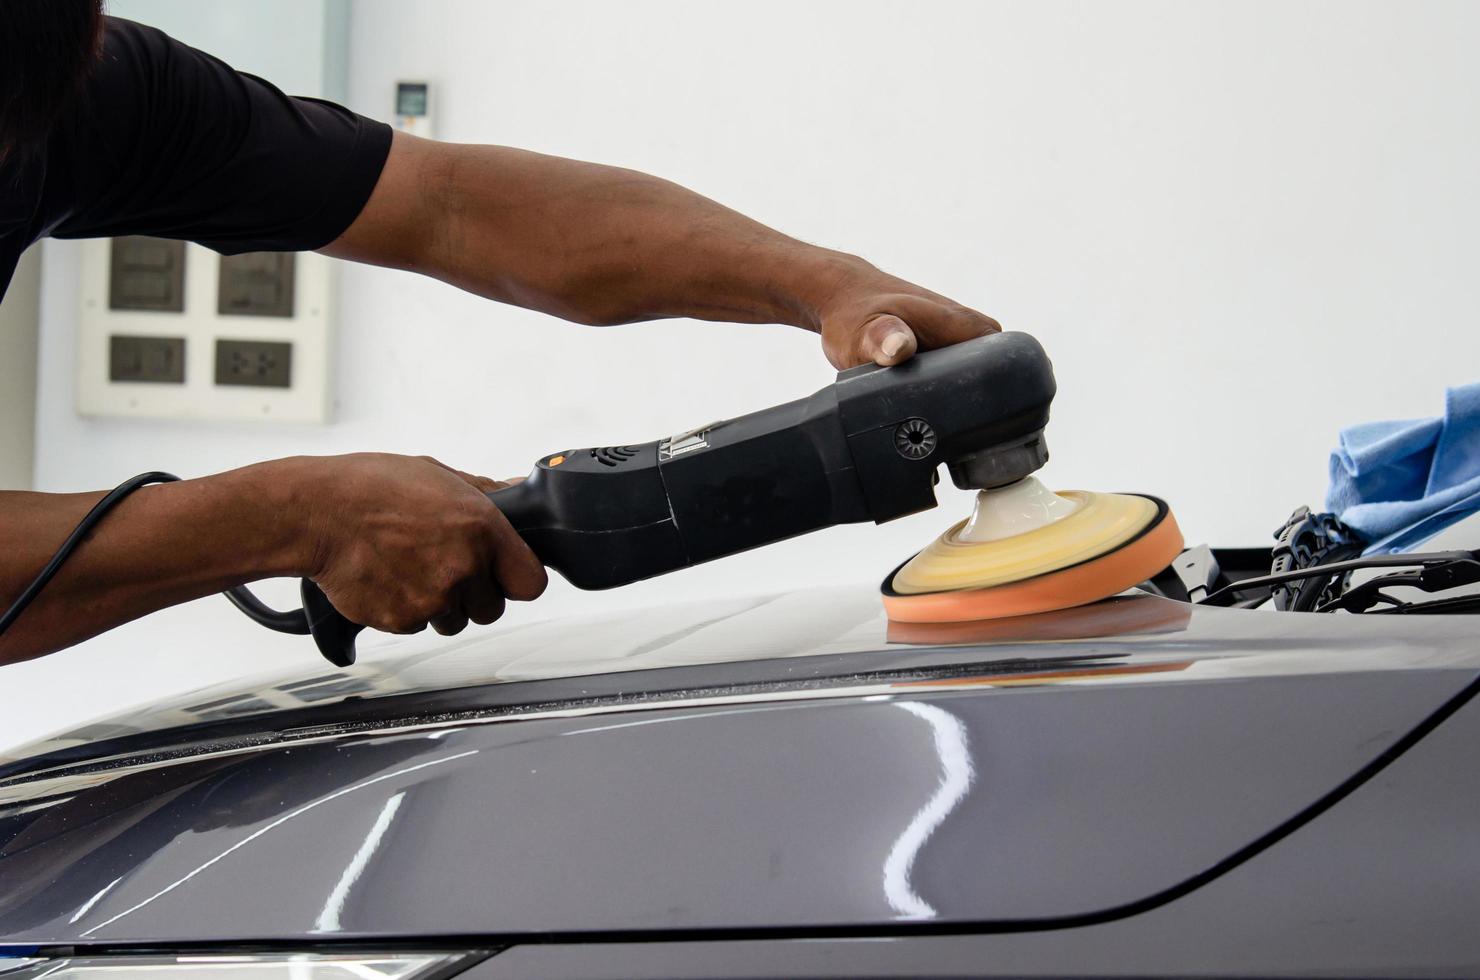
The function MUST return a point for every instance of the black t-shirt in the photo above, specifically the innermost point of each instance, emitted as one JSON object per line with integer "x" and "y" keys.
{"x": 169, "y": 141}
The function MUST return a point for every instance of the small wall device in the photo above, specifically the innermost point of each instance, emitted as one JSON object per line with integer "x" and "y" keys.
{"x": 414, "y": 108}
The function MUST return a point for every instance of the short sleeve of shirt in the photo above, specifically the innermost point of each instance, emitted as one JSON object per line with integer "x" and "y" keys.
{"x": 171, "y": 142}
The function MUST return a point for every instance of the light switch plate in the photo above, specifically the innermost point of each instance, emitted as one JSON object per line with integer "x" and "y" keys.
{"x": 256, "y": 284}
{"x": 146, "y": 274}
{"x": 156, "y": 360}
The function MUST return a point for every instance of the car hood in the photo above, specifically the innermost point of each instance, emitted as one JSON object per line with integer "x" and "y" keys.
{"x": 806, "y": 640}
{"x": 789, "y": 763}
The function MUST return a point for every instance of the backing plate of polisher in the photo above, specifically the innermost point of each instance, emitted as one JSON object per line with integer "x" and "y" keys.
{"x": 1134, "y": 560}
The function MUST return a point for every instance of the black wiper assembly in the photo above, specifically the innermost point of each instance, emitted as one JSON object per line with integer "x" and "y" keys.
{"x": 1434, "y": 571}
{"x": 1436, "y": 574}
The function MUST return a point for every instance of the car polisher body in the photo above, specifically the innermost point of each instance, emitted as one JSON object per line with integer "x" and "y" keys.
{"x": 865, "y": 448}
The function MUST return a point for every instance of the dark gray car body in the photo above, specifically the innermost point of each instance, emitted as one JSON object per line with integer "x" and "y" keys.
{"x": 789, "y": 786}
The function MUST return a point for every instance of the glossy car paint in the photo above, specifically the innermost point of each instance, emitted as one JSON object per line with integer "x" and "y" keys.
{"x": 1383, "y": 885}
{"x": 778, "y": 769}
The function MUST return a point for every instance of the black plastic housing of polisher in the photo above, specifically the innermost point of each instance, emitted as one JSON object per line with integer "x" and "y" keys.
{"x": 865, "y": 448}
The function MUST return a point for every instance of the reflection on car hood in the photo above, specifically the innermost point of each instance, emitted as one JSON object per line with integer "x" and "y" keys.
{"x": 813, "y": 639}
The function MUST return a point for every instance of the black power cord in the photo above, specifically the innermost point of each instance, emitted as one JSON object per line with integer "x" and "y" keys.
{"x": 295, "y": 622}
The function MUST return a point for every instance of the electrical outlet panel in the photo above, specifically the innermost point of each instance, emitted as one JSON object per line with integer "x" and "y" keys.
{"x": 172, "y": 330}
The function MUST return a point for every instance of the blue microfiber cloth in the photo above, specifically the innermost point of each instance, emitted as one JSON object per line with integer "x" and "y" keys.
{"x": 1399, "y": 483}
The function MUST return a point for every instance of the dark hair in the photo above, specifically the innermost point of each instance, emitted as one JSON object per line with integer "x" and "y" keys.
{"x": 47, "y": 48}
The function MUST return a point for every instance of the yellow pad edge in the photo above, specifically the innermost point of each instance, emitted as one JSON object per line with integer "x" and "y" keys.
{"x": 1101, "y": 523}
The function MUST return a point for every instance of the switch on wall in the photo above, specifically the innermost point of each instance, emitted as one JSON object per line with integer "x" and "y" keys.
{"x": 146, "y": 274}
{"x": 256, "y": 284}
{"x": 157, "y": 359}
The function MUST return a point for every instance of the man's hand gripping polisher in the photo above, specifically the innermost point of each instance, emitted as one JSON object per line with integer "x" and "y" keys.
{"x": 865, "y": 448}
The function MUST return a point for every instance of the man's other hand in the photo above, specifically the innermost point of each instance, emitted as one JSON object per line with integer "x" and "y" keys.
{"x": 871, "y": 317}
{"x": 400, "y": 543}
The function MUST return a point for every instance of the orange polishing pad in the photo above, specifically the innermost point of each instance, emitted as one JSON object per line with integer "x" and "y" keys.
{"x": 1145, "y": 552}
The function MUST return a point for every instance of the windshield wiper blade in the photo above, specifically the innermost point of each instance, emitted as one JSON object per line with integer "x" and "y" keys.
{"x": 1469, "y": 603}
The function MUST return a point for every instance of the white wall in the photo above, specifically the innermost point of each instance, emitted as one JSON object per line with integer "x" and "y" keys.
{"x": 19, "y": 336}
{"x": 283, "y": 41}
{"x": 1236, "y": 227}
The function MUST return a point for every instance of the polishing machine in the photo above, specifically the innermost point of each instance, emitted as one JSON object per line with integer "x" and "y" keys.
{"x": 867, "y": 447}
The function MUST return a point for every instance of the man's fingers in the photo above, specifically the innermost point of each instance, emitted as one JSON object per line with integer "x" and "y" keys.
{"x": 886, "y": 339}
{"x": 483, "y": 601}
{"x": 937, "y": 325}
{"x": 966, "y": 324}
{"x": 483, "y": 483}
{"x": 450, "y": 623}
{"x": 401, "y": 627}
{"x": 518, "y": 571}
{"x": 502, "y": 484}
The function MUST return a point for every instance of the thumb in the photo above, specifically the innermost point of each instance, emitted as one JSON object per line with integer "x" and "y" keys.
{"x": 886, "y": 340}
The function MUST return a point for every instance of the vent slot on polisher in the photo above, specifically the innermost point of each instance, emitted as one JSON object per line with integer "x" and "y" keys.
{"x": 614, "y": 455}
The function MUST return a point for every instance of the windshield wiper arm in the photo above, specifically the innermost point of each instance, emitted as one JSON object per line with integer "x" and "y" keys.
{"x": 1429, "y": 578}
{"x": 1455, "y": 567}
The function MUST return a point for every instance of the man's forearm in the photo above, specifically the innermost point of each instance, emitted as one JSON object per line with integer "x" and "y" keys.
{"x": 163, "y": 545}
{"x": 396, "y": 542}
{"x": 589, "y": 243}
{"x": 603, "y": 245}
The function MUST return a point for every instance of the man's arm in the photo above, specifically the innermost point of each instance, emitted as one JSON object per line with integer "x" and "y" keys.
{"x": 395, "y": 542}
{"x": 602, "y": 245}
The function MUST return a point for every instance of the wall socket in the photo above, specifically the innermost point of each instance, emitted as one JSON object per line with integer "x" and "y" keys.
{"x": 150, "y": 359}
{"x": 255, "y": 363}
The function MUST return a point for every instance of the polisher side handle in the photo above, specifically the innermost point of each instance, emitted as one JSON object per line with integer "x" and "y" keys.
{"x": 335, "y": 634}
{"x": 332, "y": 631}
